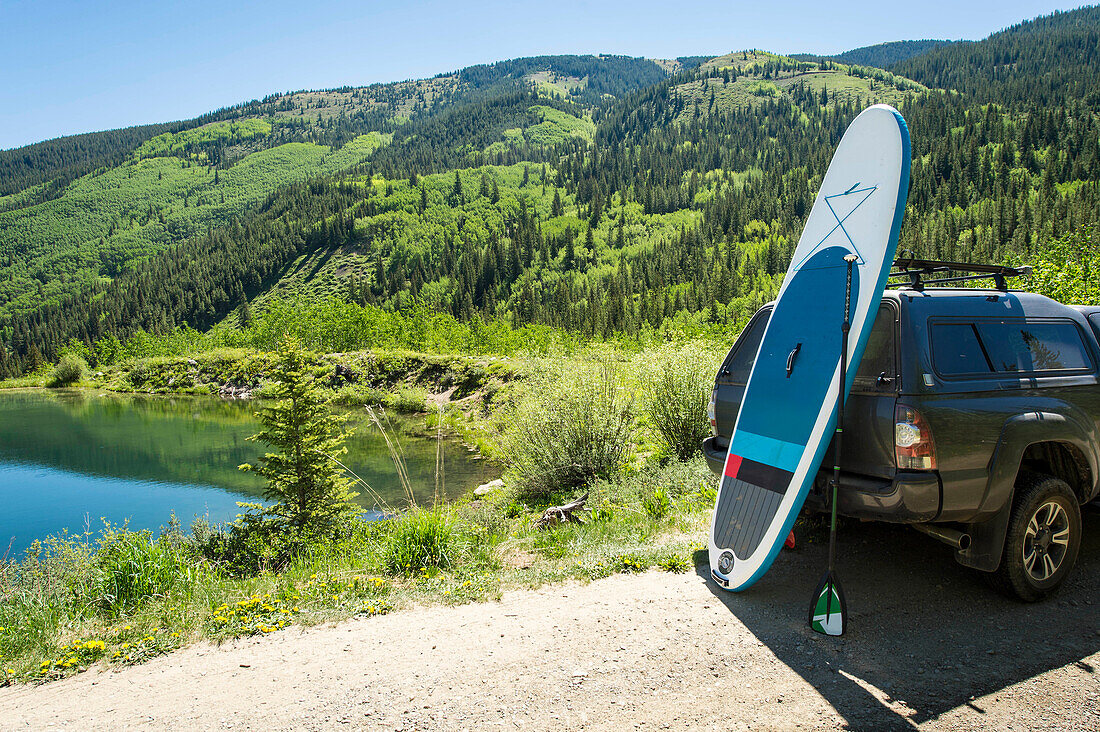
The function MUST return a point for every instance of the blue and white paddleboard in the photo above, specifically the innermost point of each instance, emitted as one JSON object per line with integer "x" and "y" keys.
{"x": 788, "y": 413}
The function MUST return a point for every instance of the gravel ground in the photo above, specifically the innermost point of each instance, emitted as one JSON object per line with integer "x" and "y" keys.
{"x": 928, "y": 647}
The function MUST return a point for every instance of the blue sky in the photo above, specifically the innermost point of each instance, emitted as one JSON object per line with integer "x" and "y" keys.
{"x": 70, "y": 67}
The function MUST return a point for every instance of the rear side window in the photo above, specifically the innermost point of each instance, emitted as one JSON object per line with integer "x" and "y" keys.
{"x": 1029, "y": 346}
{"x": 879, "y": 355}
{"x": 1008, "y": 347}
{"x": 739, "y": 362}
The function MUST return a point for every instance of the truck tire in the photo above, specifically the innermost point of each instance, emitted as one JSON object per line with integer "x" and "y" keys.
{"x": 1044, "y": 535}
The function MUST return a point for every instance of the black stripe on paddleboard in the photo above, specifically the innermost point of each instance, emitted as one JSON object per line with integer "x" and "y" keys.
{"x": 764, "y": 476}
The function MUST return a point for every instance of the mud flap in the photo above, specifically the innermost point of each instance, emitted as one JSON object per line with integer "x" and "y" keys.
{"x": 987, "y": 541}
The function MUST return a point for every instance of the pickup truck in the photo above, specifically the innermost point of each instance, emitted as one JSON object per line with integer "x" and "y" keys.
{"x": 974, "y": 417}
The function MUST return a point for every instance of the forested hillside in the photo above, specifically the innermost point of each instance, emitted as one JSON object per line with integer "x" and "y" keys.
{"x": 600, "y": 195}
{"x": 1047, "y": 61}
{"x": 882, "y": 55}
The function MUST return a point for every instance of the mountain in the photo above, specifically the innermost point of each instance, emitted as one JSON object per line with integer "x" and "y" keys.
{"x": 77, "y": 211}
{"x": 602, "y": 195}
{"x": 881, "y": 55}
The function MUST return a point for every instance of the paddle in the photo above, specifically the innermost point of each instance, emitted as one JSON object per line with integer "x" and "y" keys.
{"x": 828, "y": 611}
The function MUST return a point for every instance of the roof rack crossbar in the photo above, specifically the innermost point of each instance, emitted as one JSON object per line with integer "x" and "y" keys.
{"x": 913, "y": 269}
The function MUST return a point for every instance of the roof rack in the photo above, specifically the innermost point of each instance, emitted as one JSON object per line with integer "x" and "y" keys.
{"x": 916, "y": 269}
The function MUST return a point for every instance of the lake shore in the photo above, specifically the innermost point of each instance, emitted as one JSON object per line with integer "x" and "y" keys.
{"x": 127, "y": 597}
{"x": 928, "y": 647}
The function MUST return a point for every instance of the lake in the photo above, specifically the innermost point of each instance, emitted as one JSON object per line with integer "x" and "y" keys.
{"x": 70, "y": 459}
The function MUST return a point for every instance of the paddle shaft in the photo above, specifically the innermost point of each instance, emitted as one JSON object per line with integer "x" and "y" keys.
{"x": 850, "y": 259}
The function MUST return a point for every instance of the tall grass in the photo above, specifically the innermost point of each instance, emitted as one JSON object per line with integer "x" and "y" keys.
{"x": 422, "y": 538}
{"x": 130, "y": 568}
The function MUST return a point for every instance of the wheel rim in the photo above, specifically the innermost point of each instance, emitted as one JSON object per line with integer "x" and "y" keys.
{"x": 1046, "y": 541}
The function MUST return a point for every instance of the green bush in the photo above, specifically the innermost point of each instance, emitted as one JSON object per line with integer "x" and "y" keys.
{"x": 569, "y": 431}
{"x": 252, "y": 544}
{"x": 676, "y": 384}
{"x": 69, "y": 370}
{"x": 421, "y": 538}
{"x": 130, "y": 568}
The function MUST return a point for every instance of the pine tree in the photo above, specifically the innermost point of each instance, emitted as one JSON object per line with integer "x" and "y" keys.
{"x": 459, "y": 196}
{"x": 311, "y": 495}
{"x": 244, "y": 315}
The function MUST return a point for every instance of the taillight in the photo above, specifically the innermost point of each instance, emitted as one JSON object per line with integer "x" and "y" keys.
{"x": 710, "y": 412}
{"x": 913, "y": 446}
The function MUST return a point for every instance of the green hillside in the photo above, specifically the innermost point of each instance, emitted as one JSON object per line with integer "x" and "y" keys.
{"x": 150, "y": 187}
{"x": 756, "y": 77}
{"x": 599, "y": 195}
{"x": 104, "y": 221}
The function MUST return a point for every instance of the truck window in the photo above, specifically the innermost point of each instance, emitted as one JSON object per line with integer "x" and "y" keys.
{"x": 879, "y": 355}
{"x": 1033, "y": 346}
{"x": 1008, "y": 347}
{"x": 956, "y": 350}
{"x": 739, "y": 361}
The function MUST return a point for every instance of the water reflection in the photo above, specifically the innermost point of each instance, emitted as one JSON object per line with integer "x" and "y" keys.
{"x": 66, "y": 455}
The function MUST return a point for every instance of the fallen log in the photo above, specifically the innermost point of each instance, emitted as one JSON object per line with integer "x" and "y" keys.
{"x": 561, "y": 514}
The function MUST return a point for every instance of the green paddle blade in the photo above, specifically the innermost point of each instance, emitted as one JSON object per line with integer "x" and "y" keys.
{"x": 828, "y": 611}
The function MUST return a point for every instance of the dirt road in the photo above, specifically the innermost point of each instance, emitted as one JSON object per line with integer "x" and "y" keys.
{"x": 928, "y": 647}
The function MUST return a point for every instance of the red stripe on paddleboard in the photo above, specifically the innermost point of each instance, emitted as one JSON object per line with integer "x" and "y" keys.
{"x": 733, "y": 464}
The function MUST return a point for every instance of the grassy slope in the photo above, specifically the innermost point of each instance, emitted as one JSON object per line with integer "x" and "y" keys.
{"x": 652, "y": 515}
{"x": 842, "y": 82}
{"x": 107, "y": 218}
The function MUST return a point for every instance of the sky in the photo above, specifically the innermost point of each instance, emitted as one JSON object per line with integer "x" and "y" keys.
{"x": 70, "y": 67}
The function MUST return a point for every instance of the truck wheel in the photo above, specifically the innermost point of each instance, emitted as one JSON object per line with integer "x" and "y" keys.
{"x": 1044, "y": 535}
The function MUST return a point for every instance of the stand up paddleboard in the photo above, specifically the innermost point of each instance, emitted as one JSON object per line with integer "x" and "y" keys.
{"x": 788, "y": 412}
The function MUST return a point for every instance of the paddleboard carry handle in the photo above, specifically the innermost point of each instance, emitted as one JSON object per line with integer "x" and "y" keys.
{"x": 791, "y": 357}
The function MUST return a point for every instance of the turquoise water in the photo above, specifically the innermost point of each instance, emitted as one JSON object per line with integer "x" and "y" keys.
{"x": 71, "y": 459}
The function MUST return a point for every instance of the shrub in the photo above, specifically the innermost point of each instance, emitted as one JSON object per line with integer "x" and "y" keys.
{"x": 421, "y": 538}
{"x": 253, "y": 543}
{"x": 69, "y": 370}
{"x": 676, "y": 382}
{"x": 569, "y": 431}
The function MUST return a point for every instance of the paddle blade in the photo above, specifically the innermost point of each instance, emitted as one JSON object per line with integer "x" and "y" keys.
{"x": 828, "y": 611}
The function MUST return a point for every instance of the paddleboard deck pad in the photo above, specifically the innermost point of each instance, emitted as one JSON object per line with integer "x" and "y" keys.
{"x": 788, "y": 413}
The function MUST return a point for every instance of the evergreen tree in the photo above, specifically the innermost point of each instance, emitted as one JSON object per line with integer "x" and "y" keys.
{"x": 456, "y": 190}
{"x": 244, "y": 315}
{"x": 310, "y": 493}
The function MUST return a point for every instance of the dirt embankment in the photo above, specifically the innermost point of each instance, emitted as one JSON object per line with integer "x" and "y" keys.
{"x": 928, "y": 647}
